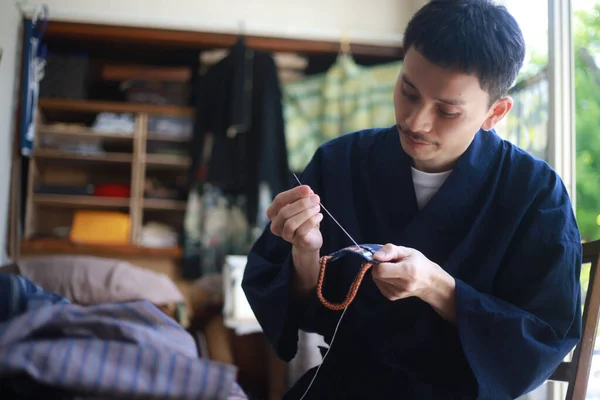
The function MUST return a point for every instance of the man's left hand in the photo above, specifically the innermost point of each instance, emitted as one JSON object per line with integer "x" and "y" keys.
{"x": 406, "y": 272}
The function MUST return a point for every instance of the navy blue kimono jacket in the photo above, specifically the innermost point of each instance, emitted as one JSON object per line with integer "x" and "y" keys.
{"x": 502, "y": 225}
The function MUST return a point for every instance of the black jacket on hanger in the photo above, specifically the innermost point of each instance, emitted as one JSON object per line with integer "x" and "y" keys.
{"x": 239, "y": 104}
{"x": 239, "y": 101}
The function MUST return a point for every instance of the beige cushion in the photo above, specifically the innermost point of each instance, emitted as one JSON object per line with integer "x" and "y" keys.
{"x": 90, "y": 280}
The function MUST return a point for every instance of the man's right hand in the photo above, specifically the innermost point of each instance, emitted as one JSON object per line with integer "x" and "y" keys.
{"x": 295, "y": 217}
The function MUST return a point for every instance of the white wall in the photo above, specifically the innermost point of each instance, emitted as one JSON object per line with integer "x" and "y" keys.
{"x": 10, "y": 21}
{"x": 365, "y": 21}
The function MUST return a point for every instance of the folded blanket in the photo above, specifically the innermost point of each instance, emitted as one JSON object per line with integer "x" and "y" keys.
{"x": 107, "y": 350}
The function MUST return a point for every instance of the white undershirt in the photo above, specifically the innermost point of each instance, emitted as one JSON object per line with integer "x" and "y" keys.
{"x": 427, "y": 184}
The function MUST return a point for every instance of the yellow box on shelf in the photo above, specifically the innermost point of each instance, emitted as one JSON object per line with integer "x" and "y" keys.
{"x": 101, "y": 227}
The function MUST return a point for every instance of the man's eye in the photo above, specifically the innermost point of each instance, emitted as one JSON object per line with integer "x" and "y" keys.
{"x": 408, "y": 95}
{"x": 448, "y": 114}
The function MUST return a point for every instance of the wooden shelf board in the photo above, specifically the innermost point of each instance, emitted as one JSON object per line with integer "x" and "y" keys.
{"x": 167, "y": 160}
{"x": 127, "y": 71}
{"x": 100, "y": 157}
{"x": 161, "y": 137}
{"x": 105, "y": 33}
{"x": 80, "y": 201}
{"x": 96, "y": 106}
{"x": 63, "y": 246}
{"x": 80, "y": 133}
{"x": 164, "y": 204}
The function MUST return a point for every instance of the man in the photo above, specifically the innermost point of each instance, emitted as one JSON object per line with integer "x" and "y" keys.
{"x": 477, "y": 293}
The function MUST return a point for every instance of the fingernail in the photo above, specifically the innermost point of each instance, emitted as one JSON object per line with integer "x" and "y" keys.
{"x": 314, "y": 199}
{"x": 379, "y": 253}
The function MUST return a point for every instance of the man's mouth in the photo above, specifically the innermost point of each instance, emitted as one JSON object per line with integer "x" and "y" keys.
{"x": 412, "y": 137}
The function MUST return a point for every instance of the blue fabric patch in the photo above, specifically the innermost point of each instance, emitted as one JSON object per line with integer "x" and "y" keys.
{"x": 365, "y": 251}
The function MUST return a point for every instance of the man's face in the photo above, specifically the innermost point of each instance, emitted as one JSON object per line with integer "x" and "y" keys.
{"x": 439, "y": 111}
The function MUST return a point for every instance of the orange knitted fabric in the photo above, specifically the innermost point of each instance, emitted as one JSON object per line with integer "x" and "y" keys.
{"x": 353, "y": 288}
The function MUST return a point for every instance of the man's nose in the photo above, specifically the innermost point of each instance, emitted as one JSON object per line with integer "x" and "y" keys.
{"x": 419, "y": 120}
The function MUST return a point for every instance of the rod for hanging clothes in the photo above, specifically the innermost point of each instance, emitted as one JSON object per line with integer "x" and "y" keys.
{"x": 283, "y": 60}
{"x": 385, "y": 46}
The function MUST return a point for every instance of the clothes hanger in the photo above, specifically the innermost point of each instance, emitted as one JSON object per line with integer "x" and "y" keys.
{"x": 241, "y": 31}
{"x": 344, "y": 43}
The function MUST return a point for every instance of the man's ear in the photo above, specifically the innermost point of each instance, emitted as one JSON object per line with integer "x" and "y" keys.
{"x": 498, "y": 110}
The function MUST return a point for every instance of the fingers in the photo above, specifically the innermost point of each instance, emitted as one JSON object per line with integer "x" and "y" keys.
{"x": 299, "y": 206}
{"x": 390, "y": 252}
{"x": 291, "y": 225}
{"x": 402, "y": 276}
{"x": 294, "y": 215}
{"x": 385, "y": 270}
{"x": 393, "y": 281}
{"x": 285, "y": 198}
{"x": 388, "y": 290}
{"x": 305, "y": 228}
{"x": 404, "y": 269}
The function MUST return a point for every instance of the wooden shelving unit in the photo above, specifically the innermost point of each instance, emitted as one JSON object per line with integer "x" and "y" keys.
{"x": 129, "y": 157}
{"x": 46, "y": 211}
{"x": 119, "y": 52}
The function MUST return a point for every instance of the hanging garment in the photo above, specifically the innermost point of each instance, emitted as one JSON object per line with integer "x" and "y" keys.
{"x": 33, "y": 72}
{"x": 347, "y": 98}
{"x": 239, "y": 158}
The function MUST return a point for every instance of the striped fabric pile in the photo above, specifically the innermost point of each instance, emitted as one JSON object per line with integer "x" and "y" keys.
{"x": 112, "y": 350}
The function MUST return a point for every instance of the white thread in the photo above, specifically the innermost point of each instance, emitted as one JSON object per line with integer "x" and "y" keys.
{"x": 332, "y": 217}
{"x": 327, "y": 352}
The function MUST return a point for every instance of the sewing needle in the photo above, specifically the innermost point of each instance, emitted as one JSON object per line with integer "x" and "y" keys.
{"x": 327, "y": 211}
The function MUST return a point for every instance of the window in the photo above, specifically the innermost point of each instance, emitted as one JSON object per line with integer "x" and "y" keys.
{"x": 586, "y": 38}
{"x": 527, "y": 123}
{"x": 586, "y": 52}
{"x": 541, "y": 121}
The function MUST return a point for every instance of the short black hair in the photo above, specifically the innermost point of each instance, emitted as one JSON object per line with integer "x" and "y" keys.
{"x": 470, "y": 36}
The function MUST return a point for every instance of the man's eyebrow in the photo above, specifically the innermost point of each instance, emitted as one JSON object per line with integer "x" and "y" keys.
{"x": 453, "y": 102}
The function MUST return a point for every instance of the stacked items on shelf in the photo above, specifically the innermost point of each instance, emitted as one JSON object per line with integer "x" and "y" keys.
{"x": 80, "y": 177}
{"x": 157, "y": 85}
{"x": 167, "y": 139}
{"x": 108, "y": 172}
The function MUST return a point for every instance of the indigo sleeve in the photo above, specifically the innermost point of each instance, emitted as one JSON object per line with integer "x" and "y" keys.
{"x": 516, "y": 337}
